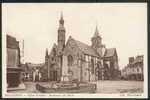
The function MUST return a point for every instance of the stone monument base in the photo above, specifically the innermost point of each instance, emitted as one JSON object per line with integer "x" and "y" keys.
{"x": 65, "y": 78}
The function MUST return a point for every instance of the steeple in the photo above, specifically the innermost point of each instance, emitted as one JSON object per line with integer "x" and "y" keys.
{"x": 61, "y": 34}
{"x": 96, "y": 39}
{"x": 61, "y": 15}
{"x": 97, "y": 43}
{"x": 96, "y": 32}
{"x": 46, "y": 57}
{"x": 61, "y": 21}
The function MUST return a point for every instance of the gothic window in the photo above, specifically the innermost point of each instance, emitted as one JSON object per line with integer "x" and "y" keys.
{"x": 54, "y": 52}
{"x": 92, "y": 65}
{"x": 97, "y": 69}
{"x": 70, "y": 60}
{"x": 70, "y": 73}
{"x": 52, "y": 59}
{"x": 99, "y": 65}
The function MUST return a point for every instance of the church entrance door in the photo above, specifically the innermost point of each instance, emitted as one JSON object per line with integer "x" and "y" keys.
{"x": 53, "y": 75}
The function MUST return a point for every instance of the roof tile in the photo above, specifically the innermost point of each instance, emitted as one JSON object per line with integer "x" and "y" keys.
{"x": 86, "y": 48}
{"x": 110, "y": 52}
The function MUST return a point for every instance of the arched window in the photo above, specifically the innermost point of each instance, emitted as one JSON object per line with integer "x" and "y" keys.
{"x": 54, "y": 52}
{"x": 70, "y": 60}
{"x": 92, "y": 65}
{"x": 70, "y": 73}
{"x": 99, "y": 65}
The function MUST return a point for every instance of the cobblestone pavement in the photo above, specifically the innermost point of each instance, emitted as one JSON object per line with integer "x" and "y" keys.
{"x": 102, "y": 87}
{"x": 120, "y": 86}
{"x": 30, "y": 88}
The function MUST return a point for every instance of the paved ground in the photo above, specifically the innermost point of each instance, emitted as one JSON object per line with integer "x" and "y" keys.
{"x": 103, "y": 87}
{"x": 30, "y": 88}
{"x": 120, "y": 87}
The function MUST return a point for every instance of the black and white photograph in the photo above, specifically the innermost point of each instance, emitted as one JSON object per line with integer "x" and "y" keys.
{"x": 70, "y": 50}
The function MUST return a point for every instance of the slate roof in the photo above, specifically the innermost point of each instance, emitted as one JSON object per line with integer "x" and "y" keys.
{"x": 109, "y": 52}
{"x": 86, "y": 48}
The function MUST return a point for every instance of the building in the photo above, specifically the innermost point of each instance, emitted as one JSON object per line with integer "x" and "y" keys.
{"x": 33, "y": 72}
{"x": 74, "y": 60}
{"x": 134, "y": 69}
{"x": 13, "y": 64}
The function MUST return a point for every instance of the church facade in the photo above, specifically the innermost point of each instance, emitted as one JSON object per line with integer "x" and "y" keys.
{"x": 74, "y": 60}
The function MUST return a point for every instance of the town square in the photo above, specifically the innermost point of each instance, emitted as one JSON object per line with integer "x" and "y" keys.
{"x": 103, "y": 87}
{"x": 54, "y": 49}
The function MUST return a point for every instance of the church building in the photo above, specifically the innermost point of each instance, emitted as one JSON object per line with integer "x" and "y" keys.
{"x": 73, "y": 60}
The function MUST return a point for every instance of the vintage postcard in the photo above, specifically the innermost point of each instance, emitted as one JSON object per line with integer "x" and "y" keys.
{"x": 74, "y": 50}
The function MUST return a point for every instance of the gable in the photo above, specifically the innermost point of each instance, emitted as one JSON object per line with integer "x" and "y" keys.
{"x": 52, "y": 50}
{"x": 77, "y": 46}
{"x": 110, "y": 52}
{"x": 71, "y": 47}
{"x": 86, "y": 49}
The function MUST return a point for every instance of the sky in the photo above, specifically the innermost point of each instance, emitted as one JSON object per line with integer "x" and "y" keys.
{"x": 122, "y": 26}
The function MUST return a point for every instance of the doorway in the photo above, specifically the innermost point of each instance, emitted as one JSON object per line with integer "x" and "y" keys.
{"x": 53, "y": 75}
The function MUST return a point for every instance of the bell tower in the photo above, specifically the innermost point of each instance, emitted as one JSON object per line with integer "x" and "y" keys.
{"x": 61, "y": 34}
{"x": 96, "y": 39}
{"x": 97, "y": 43}
{"x": 46, "y": 57}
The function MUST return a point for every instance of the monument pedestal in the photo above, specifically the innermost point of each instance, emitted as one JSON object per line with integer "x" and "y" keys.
{"x": 65, "y": 78}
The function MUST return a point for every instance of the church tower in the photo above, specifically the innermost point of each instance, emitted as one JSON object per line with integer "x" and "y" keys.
{"x": 96, "y": 39}
{"x": 97, "y": 43}
{"x": 46, "y": 57}
{"x": 61, "y": 34}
